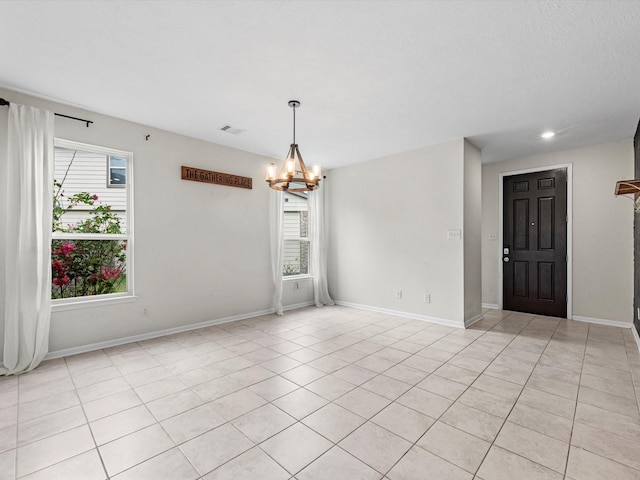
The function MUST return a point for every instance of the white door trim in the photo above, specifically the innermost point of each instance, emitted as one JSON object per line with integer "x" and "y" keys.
{"x": 569, "y": 168}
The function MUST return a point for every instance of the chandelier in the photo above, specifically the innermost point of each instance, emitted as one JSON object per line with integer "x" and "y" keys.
{"x": 293, "y": 175}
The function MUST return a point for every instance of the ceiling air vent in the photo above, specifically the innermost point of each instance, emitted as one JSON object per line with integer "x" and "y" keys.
{"x": 230, "y": 129}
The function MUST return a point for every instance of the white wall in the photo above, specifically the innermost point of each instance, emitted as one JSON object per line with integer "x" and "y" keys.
{"x": 472, "y": 191}
{"x": 388, "y": 221}
{"x": 602, "y": 228}
{"x": 201, "y": 250}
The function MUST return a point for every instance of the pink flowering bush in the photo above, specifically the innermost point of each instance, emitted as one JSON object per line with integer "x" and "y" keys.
{"x": 86, "y": 267}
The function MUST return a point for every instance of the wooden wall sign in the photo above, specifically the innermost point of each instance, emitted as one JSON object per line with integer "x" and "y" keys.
{"x": 207, "y": 176}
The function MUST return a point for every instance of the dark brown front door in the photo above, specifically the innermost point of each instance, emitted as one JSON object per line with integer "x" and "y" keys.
{"x": 535, "y": 243}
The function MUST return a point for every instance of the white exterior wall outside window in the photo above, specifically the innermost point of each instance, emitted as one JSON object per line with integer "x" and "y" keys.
{"x": 296, "y": 235}
{"x": 92, "y": 248}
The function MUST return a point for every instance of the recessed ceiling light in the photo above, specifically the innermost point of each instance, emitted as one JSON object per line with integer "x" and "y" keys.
{"x": 548, "y": 134}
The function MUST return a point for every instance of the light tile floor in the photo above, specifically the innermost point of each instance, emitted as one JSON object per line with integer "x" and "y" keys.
{"x": 335, "y": 393}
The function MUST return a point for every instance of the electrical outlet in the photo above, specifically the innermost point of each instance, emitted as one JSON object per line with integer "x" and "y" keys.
{"x": 454, "y": 235}
{"x": 427, "y": 298}
{"x": 399, "y": 295}
{"x": 144, "y": 311}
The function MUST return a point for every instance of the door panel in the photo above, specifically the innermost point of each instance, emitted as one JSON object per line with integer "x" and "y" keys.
{"x": 535, "y": 234}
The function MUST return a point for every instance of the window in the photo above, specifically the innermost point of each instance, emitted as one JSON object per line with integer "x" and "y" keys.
{"x": 91, "y": 252}
{"x": 117, "y": 172}
{"x": 296, "y": 235}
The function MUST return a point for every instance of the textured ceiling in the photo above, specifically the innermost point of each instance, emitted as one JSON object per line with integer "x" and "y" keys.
{"x": 374, "y": 77}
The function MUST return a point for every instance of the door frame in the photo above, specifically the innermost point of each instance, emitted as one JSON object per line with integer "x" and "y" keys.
{"x": 569, "y": 168}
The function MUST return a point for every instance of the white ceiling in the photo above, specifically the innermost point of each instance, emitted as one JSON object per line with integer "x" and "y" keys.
{"x": 374, "y": 77}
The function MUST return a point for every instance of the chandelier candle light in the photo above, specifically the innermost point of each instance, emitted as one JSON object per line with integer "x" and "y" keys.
{"x": 294, "y": 175}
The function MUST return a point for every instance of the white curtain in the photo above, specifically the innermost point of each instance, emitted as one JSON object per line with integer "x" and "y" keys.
{"x": 26, "y": 195}
{"x": 318, "y": 252}
{"x": 277, "y": 244}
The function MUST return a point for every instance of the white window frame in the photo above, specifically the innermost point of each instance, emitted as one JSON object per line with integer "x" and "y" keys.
{"x": 73, "y": 303}
{"x": 306, "y": 239}
{"x": 109, "y": 168}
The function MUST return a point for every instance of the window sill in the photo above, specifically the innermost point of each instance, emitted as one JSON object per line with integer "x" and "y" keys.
{"x": 80, "y": 303}
{"x": 294, "y": 278}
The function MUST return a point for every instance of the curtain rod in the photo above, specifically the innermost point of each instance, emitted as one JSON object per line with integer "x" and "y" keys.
{"x": 5, "y": 103}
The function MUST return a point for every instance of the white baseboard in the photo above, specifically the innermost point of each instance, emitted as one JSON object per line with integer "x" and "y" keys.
{"x": 297, "y": 305}
{"x": 492, "y": 306}
{"x": 415, "y": 316}
{"x": 159, "y": 333}
{"x": 602, "y": 321}
{"x": 471, "y": 321}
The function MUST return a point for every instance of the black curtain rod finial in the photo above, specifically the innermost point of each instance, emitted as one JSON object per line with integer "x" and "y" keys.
{"x": 4, "y": 103}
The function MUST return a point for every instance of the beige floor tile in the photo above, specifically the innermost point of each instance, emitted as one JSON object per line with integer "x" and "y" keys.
{"x": 48, "y": 451}
{"x": 280, "y": 364}
{"x": 159, "y": 389}
{"x": 443, "y": 387}
{"x": 86, "y": 466}
{"x": 8, "y": 465}
{"x": 250, "y": 465}
{"x": 608, "y": 385}
{"x": 487, "y": 402}
{"x": 508, "y": 373}
{"x": 174, "y": 404}
{"x": 296, "y": 447}
{"x": 330, "y": 387}
{"x": 190, "y": 424}
{"x": 535, "y": 446}
{"x": 406, "y": 374}
{"x": 305, "y": 355}
{"x": 425, "y": 402}
{"x": 457, "y": 374}
{"x": 333, "y": 422}
{"x": 542, "y": 422}
{"x": 36, "y": 408}
{"x": 606, "y": 444}
{"x": 300, "y": 403}
{"x": 328, "y": 364}
{"x": 386, "y": 386}
{"x": 105, "y": 406}
{"x": 376, "y": 446}
{"x": 216, "y": 388}
{"x": 362, "y": 402}
{"x": 469, "y": 363}
{"x": 238, "y": 403}
{"x": 610, "y": 421}
{"x": 458, "y": 447}
{"x": 355, "y": 374}
{"x": 251, "y": 375}
{"x": 170, "y": 465}
{"x": 502, "y": 388}
{"x": 48, "y": 425}
{"x": 501, "y": 464}
{"x": 274, "y": 387}
{"x": 102, "y": 389}
{"x": 8, "y": 440}
{"x": 125, "y": 452}
{"x": 473, "y": 421}
{"x": 424, "y": 364}
{"x": 336, "y": 464}
{"x": 120, "y": 424}
{"x": 403, "y": 421}
{"x": 375, "y": 363}
{"x": 263, "y": 423}
{"x": 548, "y": 402}
{"x": 562, "y": 389}
{"x": 608, "y": 401}
{"x": 94, "y": 376}
{"x": 418, "y": 461}
{"x": 229, "y": 443}
{"x": 584, "y": 465}
{"x": 149, "y": 375}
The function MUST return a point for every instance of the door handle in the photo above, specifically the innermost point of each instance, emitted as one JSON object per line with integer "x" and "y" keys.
{"x": 505, "y": 259}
